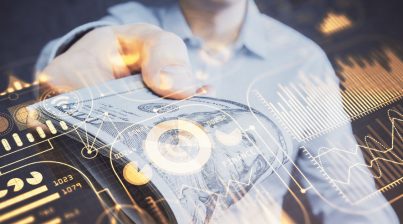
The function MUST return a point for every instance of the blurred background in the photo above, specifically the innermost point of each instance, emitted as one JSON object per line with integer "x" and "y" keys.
{"x": 343, "y": 28}
{"x": 356, "y": 34}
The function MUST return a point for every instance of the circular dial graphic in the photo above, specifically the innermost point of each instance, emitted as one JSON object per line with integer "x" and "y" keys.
{"x": 22, "y": 115}
{"x": 178, "y": 146}
{"x": 60, "y": 105}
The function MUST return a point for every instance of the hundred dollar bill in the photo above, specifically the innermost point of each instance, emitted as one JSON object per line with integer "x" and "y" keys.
{"x": 203, "y": 154}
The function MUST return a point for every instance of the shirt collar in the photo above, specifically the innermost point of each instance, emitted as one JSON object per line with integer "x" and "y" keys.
{"x": 172, "y": 20}
{"x": 251, "y": 35}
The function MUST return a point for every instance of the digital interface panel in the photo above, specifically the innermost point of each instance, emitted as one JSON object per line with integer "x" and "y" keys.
{"x": 211, "y": 152}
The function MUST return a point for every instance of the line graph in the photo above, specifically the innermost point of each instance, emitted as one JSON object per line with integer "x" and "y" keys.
{"x": 382, "y": 161}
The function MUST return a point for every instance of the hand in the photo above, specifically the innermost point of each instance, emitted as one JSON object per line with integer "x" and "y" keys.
{"x": 117, "y": 51}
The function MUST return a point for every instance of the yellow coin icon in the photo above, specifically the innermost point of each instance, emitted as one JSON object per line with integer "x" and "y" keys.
{"x": 136, "y": 176}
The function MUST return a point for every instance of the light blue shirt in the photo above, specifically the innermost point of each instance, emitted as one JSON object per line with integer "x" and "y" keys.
{"x": 267, "y": 56}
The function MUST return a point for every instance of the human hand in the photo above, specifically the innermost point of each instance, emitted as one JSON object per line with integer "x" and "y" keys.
{"x": 117, "y": 51}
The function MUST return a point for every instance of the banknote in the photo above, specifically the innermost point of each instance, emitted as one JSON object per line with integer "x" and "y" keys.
{"x": 203, "y": 154}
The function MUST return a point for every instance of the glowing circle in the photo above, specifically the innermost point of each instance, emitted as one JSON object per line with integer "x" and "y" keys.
{"x": 4, "y": 124}
{"x": 60, "y": 105}
{"x": 23, "y": 115}
{"x": 163, "y": 160}
{"x": 88, "y": 152}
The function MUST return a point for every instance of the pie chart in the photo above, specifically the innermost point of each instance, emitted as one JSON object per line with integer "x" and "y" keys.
{"x": 189, "y": 153}
{"x": 135, "y": 175}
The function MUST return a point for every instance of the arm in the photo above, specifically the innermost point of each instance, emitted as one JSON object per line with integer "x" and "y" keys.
{"x": 111, "y": 48}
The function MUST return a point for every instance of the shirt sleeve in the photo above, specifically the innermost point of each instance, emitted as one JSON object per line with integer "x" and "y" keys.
{"x": 340, "y": 185}
{"x": 125, "y": 13}
{"x": 59, "y": 45}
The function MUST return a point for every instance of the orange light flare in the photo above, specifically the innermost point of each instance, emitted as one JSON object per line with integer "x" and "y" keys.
{"x": 124, "y": 64}
{"x": 131, "y": 59}
{"x": 15, "y": 84}
{"x": 334, "y": 23}
{"x": 128, "y": 56}
{"x": 42, "y": 78}
{"x": 124, "y": 61}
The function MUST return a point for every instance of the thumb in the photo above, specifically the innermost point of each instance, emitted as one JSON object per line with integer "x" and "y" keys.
{"x": 163, "y": 60}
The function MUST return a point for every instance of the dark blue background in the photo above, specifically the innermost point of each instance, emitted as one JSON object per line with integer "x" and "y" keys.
{"x": 26, "y": 26}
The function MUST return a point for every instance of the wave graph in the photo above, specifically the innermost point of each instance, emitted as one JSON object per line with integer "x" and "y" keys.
{"x": 382, "y": 161}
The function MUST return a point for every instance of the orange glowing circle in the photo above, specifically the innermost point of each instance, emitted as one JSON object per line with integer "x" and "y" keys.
{"x": 22, "y": 115}
{"x": 4, "y": 124}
